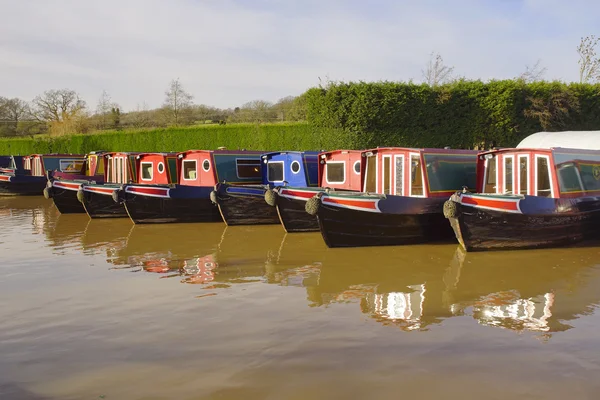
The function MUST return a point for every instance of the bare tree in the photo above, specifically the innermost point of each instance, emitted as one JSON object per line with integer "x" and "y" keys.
{"x": 103, "y": 109}
{"x": 534, "y": 73}
{"x": 177, "y": 100}
{"x": 436, "y": 72}
{"x": 589, "y": 63}
{"x": 58, "y": 105}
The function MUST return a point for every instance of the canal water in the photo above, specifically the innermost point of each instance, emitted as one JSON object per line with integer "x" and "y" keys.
{"x": 106, "y": 310}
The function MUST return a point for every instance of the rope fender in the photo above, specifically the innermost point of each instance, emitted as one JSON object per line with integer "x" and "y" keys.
{"x": 450, "y": 209}
{"x": 271, "y": 197}
{"x": 313, "y": 204}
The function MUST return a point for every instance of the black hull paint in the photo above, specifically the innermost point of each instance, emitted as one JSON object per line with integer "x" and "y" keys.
{"x": 156, "y": 210}
{"x": 478, "y": 230}
{"x": 103, "y": 206}
{"x": 245, "y": 209}
{"x": 66, "y": 201}
{"x": 293, "y": 216}
{"x": 26, "y": 188}
{"x": 343, "y": 227}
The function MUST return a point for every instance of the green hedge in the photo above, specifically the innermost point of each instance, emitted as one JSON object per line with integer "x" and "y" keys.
{"x": 283, "y": 136}
{"x": 464, "y": 114}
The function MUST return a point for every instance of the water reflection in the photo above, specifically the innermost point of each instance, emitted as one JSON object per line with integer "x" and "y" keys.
{"x": 410, "y": 287}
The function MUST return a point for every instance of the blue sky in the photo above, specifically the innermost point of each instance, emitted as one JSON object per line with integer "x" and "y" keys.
{"x": 228, "y": 52}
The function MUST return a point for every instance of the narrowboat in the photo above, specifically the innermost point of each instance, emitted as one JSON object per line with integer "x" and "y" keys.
{"x": 245, "y": 204}
{"x": 337, "y": 170}
{"x": 404, "y": 191}
{"x": 98, "y": 198}
{"x": 188, "y": 200}
{"x": 5, "y": 161}
{"x": 64, "y": 188}
{"x": 27, "y": 175}
{"x": 534, "y": 195}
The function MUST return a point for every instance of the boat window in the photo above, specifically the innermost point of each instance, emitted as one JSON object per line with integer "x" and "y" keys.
{"x": 371, "y": 174}
{"x": 70, "y": 165}
{"x": 189, "y": 170}
{"x": 543, "y": 177}
{"x": 109, "y": 169}
{"x": 356, "y": 167}
{"x": 523, "y": 173}
{"x": 335, "y": 172}
{"x": 508, "y": 174}
{"x": 577, "y": 172}
{"x": 275, "y": 171}
{"x": 206, "y": 165}
{"x": 416, "y": 184}
{"x": 248, "y": 168}
{"x": 99, "y": 165}
{"x": 387, "y": 174}
{"x": 490, "y": 174}
{"x": 399, "y": 176}
{"x": 146, "y": 170}
{"x": 160, "y": 167}
{"x": 451, "y": 172}
{"x": 295, "y": 167}
{"x": 117, "y": 177}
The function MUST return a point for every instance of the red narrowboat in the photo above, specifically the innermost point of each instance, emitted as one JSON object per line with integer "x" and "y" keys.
{"x": 535, "y": 195}
{"x": 403, "y": 194}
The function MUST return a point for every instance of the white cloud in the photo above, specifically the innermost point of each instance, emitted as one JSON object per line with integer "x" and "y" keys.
{"x": 228, "y": 52}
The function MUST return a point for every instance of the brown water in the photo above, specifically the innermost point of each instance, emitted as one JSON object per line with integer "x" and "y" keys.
{"x": 103, "y": 309}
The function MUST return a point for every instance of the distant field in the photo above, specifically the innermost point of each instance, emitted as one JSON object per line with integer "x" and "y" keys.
{"x": 274, "y": 136}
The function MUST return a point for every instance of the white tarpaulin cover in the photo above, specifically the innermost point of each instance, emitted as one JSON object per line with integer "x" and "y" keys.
{"x": 589, "y": 140}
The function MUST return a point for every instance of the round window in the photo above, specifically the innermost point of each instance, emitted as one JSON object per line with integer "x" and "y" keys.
{"x": 160, "y": 167}
{"x": 206, "y": 165}
{"x": 295, "y": 167}
{"x": 357, "y": 167}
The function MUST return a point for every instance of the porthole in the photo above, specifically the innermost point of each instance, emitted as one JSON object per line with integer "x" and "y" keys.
{"x": 161, "y": 167}
{"x": 295, "y": 167}
{"x": 206, "y": 165}
{"x": 357, "y": 167}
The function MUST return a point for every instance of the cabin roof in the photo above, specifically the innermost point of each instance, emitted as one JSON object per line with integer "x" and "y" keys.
{"x": 423, "y": 150}
{"x": 221, "y": 152}
{"x": 55, "y": 155}
{"x": 129, "y": 153}
{"x": 157, "y": 154}
{"x": 274, "y": 153}
{"x": 340, "y": 151}
{"x": 585, "y": 140}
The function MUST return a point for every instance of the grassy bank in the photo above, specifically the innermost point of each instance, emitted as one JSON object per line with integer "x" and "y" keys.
{"x": 277, "y": 136}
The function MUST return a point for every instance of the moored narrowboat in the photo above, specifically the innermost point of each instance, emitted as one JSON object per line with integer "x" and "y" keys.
{"x": 337, "y": 170}
{"x": 98, "y": 199}
{"x": 27, "y": 175}
{"x": 534, "y": 195}
{"x": 195, "y": 174}
{"x": 63, "y": 188}
{"x": 245, "y": 204}
{"x": 402, "y": 200}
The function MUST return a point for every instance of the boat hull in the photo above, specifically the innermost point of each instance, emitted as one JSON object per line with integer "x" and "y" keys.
{"x": 291, "y": 208}
{"x": 533, "y": 223}
{"x": 98, "y": 202}
{"x": 64, "y": 195}
{"x": 164, "y": 204}
{"x": 390, "y": 221}
{"x": 22, "y": 185}
{"x": 244, "y": 205}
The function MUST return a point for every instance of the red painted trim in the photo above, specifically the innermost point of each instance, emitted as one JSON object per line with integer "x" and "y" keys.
{"x": 65, "y": 185}
{"x": 152, "y": 191}
{"x": 510, "y": 205}
{"x": 305, "y": 195}
{"x": 99, "y": 190}
{"x": 5, "y": 178}
{"x": 352, "y": 203}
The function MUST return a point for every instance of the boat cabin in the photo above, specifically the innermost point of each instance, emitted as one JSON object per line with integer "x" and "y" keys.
{"x": 340, "y": 169}
{"x": 293, "y": 168}
{"x": 120, "y": 167}
{"x": 555, "y": 172}
{"x": 38, "y": 164}
{"x": 418, "y": 172}
{"x": 156, "y": 168}
{"x": 546, "y": 164}
{"x": 5, "y": 161}
{"x": 208, "y": 167}
{"x": 13, "y": 166}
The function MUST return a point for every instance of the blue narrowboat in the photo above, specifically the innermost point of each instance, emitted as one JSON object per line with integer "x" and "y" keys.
{"x": 245, "y": 204}
{"x": 63, "y": 188}
{"x": 338, "y": 170}
{"x": 187, "y": 198}
{"x": 27, "y": 175}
